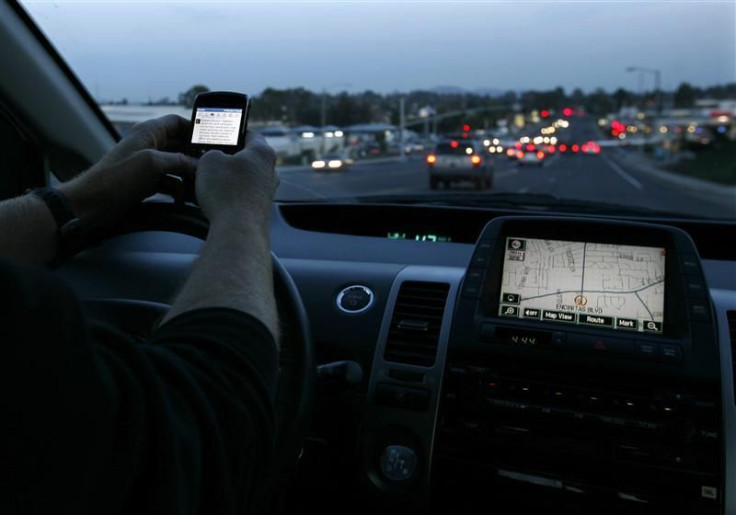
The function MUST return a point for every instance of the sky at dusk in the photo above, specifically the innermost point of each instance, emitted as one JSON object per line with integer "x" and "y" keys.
{"x": 149, "y": 50}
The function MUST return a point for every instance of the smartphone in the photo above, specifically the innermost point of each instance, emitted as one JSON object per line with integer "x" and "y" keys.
{"x": 219, "y": 122}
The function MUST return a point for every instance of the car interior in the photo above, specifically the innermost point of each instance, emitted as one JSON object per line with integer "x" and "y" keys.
{"x": 412, "y": 383}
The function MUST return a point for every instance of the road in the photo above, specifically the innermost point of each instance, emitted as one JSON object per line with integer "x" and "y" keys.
{"x": 600, "y": 179}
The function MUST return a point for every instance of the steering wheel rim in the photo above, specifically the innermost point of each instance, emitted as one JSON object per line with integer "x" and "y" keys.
{"x": 294, "y": 397}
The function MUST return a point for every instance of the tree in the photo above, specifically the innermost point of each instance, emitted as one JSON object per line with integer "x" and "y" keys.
{"x": 685, "y": 95}
{"x": 187, "y": 98}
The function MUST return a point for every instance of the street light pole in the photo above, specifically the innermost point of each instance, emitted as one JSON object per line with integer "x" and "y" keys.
{"x": 402, "y": 121}
{"x": 657, "y": 92}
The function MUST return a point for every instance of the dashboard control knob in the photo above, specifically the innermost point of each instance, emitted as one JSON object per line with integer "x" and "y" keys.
{"x": 398, "y": 462}
{"x": 355, "y": 299}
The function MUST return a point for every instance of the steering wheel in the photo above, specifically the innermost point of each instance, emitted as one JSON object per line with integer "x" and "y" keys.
{"x": 137, "y": 318}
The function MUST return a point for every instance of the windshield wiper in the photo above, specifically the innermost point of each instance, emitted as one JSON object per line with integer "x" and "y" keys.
{"x": 527, "y": 201}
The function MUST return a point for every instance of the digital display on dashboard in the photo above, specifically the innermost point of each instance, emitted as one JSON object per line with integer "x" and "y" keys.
{"x": 592, "y": 284}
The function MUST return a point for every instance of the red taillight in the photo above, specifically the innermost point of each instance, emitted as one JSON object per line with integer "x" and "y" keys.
{"x": 575, "y": 148}
{"x": 517, "y": 145}
{"x": 454, "y": 144}
{"x": 530, "y": 148}
{"x": 563, "y": 148}
{"x": 551, "y": 149}
{"x": 475, "y": 160}
{"x": 540, "y": 154}
{"x": 520, "y": 154}
{"x": 544, "y": 113}
{"x": 431, "y": 159}
{"x": 567, "y": 111}
{"x": 510, "y": 152}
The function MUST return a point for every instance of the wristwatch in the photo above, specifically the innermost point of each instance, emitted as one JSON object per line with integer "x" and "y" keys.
{"x": 59, "y": 206}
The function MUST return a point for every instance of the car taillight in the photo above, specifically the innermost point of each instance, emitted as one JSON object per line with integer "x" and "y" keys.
{"x": 475, "y": 160}
{"x": 520, "y": 154}
{"x": 563, "y": 148}
{"x": 454, "y": 144}
{"x": 431, "y": 159}
{"x": 530, "y": 148}
{"x": 517, "y": 145}
{"x": 540, "y": 154}
{"x": 575, "y": 148}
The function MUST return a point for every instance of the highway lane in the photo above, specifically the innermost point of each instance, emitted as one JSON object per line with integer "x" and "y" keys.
{"x": 598, "y": 179}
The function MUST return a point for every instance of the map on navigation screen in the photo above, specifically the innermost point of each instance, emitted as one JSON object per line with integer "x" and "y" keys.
{"x": 592, "y": 284}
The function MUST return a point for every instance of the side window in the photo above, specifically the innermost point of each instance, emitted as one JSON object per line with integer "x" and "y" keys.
{"x": 21, "y": 159}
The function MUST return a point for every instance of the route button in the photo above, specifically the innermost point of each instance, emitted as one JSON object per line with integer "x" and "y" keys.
{"x": 596, "y": 320}
{"x": 510, "y": 298}
{"x": 650, "y": 326}
{"x": 630, "y": 324}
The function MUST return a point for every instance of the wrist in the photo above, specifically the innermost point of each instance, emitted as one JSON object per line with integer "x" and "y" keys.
{"x": 78, "y": 199}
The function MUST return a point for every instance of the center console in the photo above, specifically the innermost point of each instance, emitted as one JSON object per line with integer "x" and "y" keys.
{"x": 581, "y": 373}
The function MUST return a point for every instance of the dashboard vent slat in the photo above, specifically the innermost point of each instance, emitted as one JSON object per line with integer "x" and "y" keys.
{"x": 416, "y": 323}
{"x": 731, "y": 316}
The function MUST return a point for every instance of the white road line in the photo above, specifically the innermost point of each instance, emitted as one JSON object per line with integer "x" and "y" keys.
{"x": 623, "y": 174}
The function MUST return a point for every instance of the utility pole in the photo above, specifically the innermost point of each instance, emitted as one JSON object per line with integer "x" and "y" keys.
{"x": 323, "y": 122}
{"x": 402, "y": 121}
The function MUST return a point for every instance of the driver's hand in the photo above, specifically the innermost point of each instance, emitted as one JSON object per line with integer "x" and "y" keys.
{"x": 241, "y": 185}
{"x": 132, "y": 170}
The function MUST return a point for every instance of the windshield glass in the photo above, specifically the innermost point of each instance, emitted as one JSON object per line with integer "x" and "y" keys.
{"x": 624, "y": 104}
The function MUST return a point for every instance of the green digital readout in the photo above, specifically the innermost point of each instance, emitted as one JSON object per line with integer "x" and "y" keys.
{"x": 435, "y": 238}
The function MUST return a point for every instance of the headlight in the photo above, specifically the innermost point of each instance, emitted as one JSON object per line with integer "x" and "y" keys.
{"x": 318, "y": 164}
{"x": 334, "y": 163}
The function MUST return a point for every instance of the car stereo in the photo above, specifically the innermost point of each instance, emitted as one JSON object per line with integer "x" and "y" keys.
{"x": 582, "y": 367}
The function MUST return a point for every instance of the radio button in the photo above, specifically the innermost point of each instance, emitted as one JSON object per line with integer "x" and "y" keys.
{"x": 670, "y": 353}
{"x": 646, "y": 350}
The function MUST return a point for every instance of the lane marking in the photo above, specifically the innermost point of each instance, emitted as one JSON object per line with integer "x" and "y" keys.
{"x": 623, "y": 174}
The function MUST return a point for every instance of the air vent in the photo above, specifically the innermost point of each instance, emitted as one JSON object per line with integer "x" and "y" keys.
{"x": 416, "y": 322}
{"x": 731, "y": 315}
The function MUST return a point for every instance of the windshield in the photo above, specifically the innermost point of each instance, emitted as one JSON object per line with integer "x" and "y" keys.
{"x": 628, "y": 105}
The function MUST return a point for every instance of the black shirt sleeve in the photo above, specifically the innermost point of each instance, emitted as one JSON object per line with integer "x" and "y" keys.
{"x": 183, "y": 424}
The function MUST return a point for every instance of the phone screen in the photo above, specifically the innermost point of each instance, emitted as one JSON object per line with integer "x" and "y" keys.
{"x": 216, "y": 126}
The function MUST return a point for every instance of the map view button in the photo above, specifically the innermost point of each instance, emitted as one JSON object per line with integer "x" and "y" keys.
{"x": 558, "y": 316}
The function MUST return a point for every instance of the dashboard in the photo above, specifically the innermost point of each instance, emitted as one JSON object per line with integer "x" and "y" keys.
{"x": 507, "y": 360}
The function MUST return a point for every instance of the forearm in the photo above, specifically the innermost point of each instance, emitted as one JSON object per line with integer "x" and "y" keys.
{"x": 29, "y": 234}
{"x": 233, "y": 271}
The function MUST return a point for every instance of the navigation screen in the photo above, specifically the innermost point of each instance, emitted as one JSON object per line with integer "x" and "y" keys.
{"x": 593, "y": 284}
{"x": 216, "y": 126}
